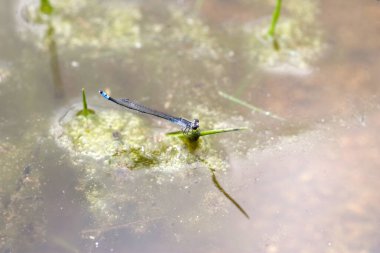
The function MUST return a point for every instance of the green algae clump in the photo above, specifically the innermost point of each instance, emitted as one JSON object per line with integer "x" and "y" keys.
{"x": 141, "y": 169}
{"x": 143, "y": 173}
{"x": 122, "y": 139}
{"x": 90, "y": 24}
{"x": 100, "y": 135}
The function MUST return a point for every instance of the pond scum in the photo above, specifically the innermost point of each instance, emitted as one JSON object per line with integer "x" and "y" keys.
{"x": 132, "y": 154}
{"x": 125, "y": 165}
{"x": 109, "y": 144}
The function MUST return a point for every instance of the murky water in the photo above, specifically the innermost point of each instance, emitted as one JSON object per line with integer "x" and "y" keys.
{"x": 115, "y": 183}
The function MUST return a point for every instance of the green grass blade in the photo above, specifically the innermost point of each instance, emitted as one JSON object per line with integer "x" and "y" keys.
{"x": 85, "y": 111}
{"x": 84, "y": 101}
{"x": 275, "y": 17}
{"x": 253, "y": 108}
{"x": 224, "y": 130}
{"x": 177, "y": 134}
{"x": 196, "y": 134}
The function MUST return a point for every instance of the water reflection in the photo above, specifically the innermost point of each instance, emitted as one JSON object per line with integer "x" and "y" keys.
{"x": 54, "y": 61}
{"x": 228, "y": 196}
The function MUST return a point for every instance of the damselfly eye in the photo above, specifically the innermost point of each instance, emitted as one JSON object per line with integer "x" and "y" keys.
{"x": 195, "y": 124}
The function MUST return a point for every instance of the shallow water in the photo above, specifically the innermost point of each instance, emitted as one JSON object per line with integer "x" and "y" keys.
{"x": 308, "y": 183}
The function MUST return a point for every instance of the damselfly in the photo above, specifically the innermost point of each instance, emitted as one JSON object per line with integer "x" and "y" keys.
{"x": 184, "y": 123}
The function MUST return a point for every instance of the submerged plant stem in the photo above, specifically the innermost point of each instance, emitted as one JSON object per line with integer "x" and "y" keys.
{"x": 228, "y": 196}
{"x": 253, "y": 108}
{"x": 275, "y": 17}
{"x": 54, "y": 60}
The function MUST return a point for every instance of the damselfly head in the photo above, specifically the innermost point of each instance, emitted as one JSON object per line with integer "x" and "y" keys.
{"x": 104, "y": 94}
{"x": 195, "y": 124}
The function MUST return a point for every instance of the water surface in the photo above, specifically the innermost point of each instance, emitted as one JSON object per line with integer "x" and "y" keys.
{"x": 308, "y": 183}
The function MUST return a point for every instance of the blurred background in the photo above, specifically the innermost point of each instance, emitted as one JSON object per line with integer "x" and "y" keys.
{"x": 305, "y": 171}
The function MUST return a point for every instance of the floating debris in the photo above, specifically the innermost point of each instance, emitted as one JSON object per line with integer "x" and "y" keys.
{"x": 253, "y": 108}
